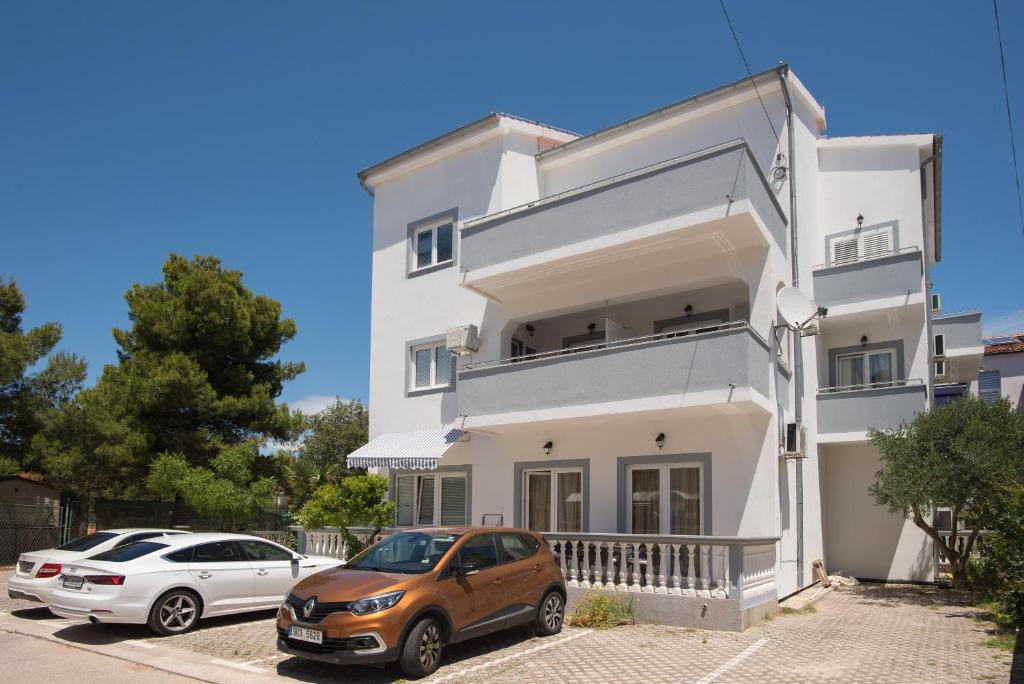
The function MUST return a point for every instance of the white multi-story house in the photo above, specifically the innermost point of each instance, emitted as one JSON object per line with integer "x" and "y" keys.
{"x": 623, "y": 380}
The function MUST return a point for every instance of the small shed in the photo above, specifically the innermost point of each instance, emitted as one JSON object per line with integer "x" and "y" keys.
{"x": 26, "y": 491}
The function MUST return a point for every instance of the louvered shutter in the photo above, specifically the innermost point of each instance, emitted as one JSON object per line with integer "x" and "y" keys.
{"x": 844, "y": 250}
{"x": 404, "y": 500}
{"x": 453, "y": 501}
{"x": 875, "y": 243}
{"x": 425, "y": 516}
{"x": 989, "y": 386}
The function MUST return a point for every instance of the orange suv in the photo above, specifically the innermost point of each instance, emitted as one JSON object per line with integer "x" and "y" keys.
{"x": 410, "y": 594}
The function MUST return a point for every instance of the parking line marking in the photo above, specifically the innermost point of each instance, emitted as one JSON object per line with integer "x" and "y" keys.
{"x": 136, "y": 642}
{"x": 736, "y": 660}
{"x": 513, "y": 656}
{"x": 239, "y": 666}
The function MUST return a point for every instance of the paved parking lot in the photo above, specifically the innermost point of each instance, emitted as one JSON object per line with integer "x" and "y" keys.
{"x": 870, "y": 633}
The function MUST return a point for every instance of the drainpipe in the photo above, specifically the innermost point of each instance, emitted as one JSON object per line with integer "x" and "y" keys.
{"x": 798, "y": 364}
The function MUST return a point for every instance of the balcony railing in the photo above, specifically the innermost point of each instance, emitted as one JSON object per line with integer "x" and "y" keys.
{"x": 898, "y": 273}
{"x": 855, "y": 408}
{"x": 719, "y": 357}
{"x": 736, "y": 568}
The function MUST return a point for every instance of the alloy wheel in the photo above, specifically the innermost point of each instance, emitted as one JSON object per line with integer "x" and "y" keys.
{"x": 430, "y": 646}
{"x": 178, "y": 612}
{"x": 553, "y": 612}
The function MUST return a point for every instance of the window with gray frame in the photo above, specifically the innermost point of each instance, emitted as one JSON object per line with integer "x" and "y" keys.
{"x": 432, "y": 366}
{"x": 432, "y": 244}
{"x": 435, "y": 499}
{"x": 989, "y": 385}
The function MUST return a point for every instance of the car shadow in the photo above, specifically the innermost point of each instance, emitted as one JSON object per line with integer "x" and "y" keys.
{"x": 313, "y": 671}
{"x": 106, "y": 634}
{"x": 35, "y": 613}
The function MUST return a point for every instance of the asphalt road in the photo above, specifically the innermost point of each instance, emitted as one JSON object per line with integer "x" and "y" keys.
{"x": 27, "y": 659}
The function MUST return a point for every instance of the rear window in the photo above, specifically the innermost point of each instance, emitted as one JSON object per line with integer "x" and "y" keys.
{"x": 130, "y": 552}
{"x": 87, "y": 542}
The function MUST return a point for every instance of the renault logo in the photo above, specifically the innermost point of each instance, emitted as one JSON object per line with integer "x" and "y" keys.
{"x": 309, "y": 607}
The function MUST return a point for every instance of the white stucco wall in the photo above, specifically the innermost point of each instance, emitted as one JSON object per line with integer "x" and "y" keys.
{"x": 862, "y": 539}
{"x": 1011, "y": 375}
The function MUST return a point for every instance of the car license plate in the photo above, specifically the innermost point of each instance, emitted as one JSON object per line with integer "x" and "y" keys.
{"x": 72, "y": 582}
{"x": 313, "y": 636}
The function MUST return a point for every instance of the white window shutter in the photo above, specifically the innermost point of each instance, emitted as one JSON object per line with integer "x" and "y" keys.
{"x": 876, "y": 243}
{"x": 453, "y": 501}
{"x": 844, "y": 250}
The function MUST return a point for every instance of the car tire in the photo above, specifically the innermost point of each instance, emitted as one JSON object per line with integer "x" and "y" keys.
{"x": 421, "y": 652}
{"x": 175, "y": 612}
{"x": 550, "y": 614}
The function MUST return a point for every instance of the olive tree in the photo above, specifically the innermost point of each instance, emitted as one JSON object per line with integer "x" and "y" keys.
{"x": 959, "y": 456}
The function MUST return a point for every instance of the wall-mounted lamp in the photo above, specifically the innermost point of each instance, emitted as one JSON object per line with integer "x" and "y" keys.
{"x": 592, "y": 327}
{"x": 860, "y": 220}
{"x": 688, "y": 309}
{"x": 660, "y": 440}
{"x": 548, "y": 445}
{"x": 863, "y": 340}
{"x": 530, "y": 329}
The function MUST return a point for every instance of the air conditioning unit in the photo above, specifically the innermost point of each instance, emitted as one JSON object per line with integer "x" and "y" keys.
{"x": 936, "y": 304}
{"x": 463, "y": 340}
{"x": 793, "y": 445}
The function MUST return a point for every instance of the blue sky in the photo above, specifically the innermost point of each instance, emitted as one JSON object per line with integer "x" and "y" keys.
{"x": 129, "y": 130}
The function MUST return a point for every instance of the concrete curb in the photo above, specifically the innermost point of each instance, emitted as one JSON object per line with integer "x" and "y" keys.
{"x": 167, "y": 659}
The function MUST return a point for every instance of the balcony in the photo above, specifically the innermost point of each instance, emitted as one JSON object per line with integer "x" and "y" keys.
{"x": 888, "y": 281}
{"x": 688, "y": 209}
{"x": 962, "y": 350}
{"x": 722, "y": 368}
{"x": 846, "y": 413}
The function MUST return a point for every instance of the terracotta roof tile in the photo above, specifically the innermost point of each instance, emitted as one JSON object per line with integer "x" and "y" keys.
{"x": 1004, "y": 344}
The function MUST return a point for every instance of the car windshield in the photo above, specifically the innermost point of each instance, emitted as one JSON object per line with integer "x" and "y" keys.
{"x": 406, "y": 552}
{"x": 129, "y": 552}
{"x": 87, "y": 542}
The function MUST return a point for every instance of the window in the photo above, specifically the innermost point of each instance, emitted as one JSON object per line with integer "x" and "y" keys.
{"x": 262, "y": 551}
{"x": 418, "y": 501}
{"x": 181, "y": 555}
{"x": 665, "y": 499}
{"x": 940, "y": 368}
{"x": 479, "y": 552}
{"x": 519, "y": 350}
{"x": 940, "y": 345}
{"x": 87, "y": 542}
{"x": 431, "y": 366}
{"x": 516, "y": 546}
{"x": 127, "y": 553}
{"x": 553, "y": 499}
{"x": 864, "y": 244}
{"x": 871, "y": 368}
{"x": 989, "y": 386}
{"x": 411, "y": 553}
{"x": 139, "y": 537}
{"x": 432, "y": 245}
{"x": 217, "y": 552}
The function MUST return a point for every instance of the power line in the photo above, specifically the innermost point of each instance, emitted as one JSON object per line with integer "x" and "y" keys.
{"x": 1009, "y": 118}
{"x": 747, "y": 65}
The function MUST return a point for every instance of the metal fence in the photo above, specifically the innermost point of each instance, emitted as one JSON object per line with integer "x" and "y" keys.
{"x": 31, "y": 527}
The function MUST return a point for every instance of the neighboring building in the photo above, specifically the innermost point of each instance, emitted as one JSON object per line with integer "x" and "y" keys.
{"x": 26, "y": 491}
{"x": 1003, "y": 370}
{"x": 632, "y": 374}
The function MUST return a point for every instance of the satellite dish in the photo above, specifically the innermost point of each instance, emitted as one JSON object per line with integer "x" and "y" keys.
{"x": 795, "y": 308}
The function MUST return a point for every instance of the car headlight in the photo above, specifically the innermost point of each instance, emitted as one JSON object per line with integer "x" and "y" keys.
{"x": 375, "y": 604}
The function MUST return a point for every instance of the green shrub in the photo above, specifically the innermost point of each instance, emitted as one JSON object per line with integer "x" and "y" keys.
{"x": 599, "y": 610}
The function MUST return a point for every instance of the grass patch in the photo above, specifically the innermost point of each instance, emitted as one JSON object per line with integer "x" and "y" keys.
{"x": 602, "y": 611}
{"x": 1004, "y": 641}
{"x": 806, "y": 610}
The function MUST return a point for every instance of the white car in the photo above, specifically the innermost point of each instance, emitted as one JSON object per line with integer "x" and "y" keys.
{"x": 170, "y": 583}
{"x": 35, "y": 574}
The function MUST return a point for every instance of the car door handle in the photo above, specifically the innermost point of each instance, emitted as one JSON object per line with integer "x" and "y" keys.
{"x": 262, "y": 572}
{"x": 205, "y": 575}
{"x": 536, "y": 567}
{"x": 499, "y": 580}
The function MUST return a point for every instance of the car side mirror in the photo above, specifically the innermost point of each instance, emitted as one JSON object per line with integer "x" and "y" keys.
{"x": 295, "y": 559}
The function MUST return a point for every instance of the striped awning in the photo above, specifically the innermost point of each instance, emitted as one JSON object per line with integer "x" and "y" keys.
{"x": 408, "y": 450}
